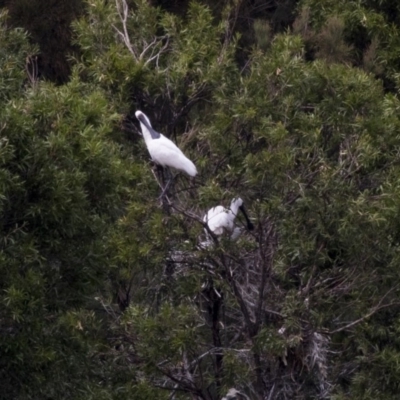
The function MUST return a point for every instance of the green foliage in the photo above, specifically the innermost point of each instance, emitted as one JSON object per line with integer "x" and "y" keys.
{"x": 370, "y": 36}
{"x": 63, "y": 185}
{"x": 110, "y": 292}
{"x": 311, "y": 146}
{"x": 14, "y": 51}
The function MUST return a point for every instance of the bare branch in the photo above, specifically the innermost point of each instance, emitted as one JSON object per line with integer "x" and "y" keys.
{"x": 122, "y": 8}
{"x": 373, "y": 310}
{"x": 155, "y": 47}
{"x": 31, "y": 67}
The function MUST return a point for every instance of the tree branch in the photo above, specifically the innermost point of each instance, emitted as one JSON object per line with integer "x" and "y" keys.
{"x": 374, "y": 310}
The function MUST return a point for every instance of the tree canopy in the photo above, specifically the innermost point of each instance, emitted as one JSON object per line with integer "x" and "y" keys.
{"x": 109, "y": 292}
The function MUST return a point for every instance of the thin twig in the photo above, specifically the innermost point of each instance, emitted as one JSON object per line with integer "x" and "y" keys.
{"x": 372, "y": 312}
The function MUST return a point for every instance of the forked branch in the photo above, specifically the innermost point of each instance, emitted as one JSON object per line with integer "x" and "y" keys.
{"x": 150, "y": 51}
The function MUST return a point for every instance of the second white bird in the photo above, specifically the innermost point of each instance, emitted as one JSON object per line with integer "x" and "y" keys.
{"x": 220, "y": 219}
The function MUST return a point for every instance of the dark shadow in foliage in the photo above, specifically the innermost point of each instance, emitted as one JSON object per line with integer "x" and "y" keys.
{"x": 49, "y": 25}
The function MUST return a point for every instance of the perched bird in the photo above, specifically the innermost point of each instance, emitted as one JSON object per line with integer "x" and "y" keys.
{"x": 220, "y": 219}
{"x": 163, "y": 151}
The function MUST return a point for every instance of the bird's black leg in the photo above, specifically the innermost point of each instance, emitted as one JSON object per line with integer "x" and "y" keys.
{"x": 170, "y": 181}
{"x": 160, "y": 173}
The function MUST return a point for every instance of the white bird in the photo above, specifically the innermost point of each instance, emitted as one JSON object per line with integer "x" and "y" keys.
{"x": 163, "y": 151}
{"x": 220, "y": 219}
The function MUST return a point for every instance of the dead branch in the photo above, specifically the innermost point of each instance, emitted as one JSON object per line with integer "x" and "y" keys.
{"x": 373, "y": 310}
{"x": 31, "y": 68}
{"x": 122, "y": 8}
{"x": 150, "y": 51}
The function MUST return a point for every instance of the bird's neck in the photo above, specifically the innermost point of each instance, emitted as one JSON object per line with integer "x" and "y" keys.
{"x": 146, "y": 133}
{"x": 234, "y": 207}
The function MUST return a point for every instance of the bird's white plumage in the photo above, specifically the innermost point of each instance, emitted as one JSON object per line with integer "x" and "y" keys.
{"x": 162, "y": 150}
{"x": 220, "y": 219}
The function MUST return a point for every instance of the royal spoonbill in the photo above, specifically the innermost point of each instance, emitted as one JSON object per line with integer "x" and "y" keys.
{"x": 163, "y": 151}
{"x": 220, "y": 219}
